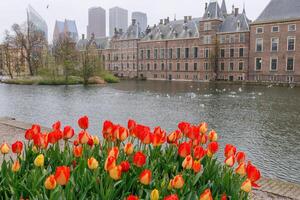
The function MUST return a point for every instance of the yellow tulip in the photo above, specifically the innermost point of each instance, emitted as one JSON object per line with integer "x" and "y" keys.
{"x": 96, "y": 140}
{"x": 246, "y": 186}
{"x": 92, "y": 163}
{"x": 4, "y": 148}
{"x": 154, "y": 195}
{"x": 39, "y": 161}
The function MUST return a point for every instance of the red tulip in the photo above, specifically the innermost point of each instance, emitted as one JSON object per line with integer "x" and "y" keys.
{"x": 184, "y": 149}
{"x": 229, "y": 150}
{"x": 171, "y": 197}
{"x": 83, "y": 137}
{"x": 144, "y": 134}
{"x": 77, "y": 151}
{"x": 68, "y": 132}
{"x": 145, "y": 177}
{"x": 54, "y": 137}
{"x": 40, "y": 140}
{"x": 36, "y": 128}
{"x": 240, "y": 157}
{"x": 17, "y": 147}
{"x": 199, "y": 152}
{"x": 224, "y": 197}
{"x": 83, "y": 122}
{"x": 110, "y": 163}
{"x": 131, "y": 124}
{"x": 253, "y": 174}
{"x": 125, "y": 166}
{"x": 184, "y": 127}
{"x": 197, "y": 166}
{"x": 212, "y": 148}
{"x": 62, "y": 175}
{"x": 56, "y": 126}
{"x": 206, "y": 195}
{"x": 158, "y": 137}
{"x": 139, "y": 159}
{"x": 132, "y": 197}
{"x": 174, "y": 137}
{"x": 122, "y": 134}
{"x": 107, "y": 130}
{"x": 91, "y": 142}
{"x": 29, "y": 134}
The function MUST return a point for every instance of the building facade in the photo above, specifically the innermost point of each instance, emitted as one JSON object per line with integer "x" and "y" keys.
{"x": 64, "y": 29}
{"x": 39, "y": 23}
{"x": 140, "y": 18}
{"x": 274, "y": 43}
{"x": 118, "y": 19}
{"x": 96, "y": 22}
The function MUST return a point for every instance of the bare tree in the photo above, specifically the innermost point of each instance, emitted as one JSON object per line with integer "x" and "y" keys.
{"x": 8, "y": 54}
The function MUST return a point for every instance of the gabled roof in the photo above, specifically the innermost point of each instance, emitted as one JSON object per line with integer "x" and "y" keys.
{"x": 213, "y": 11}
{"x": 101, "y": 43}
{"x": 133, "y": 32}
{"x": 280, "y": 10}
{"x": 59, "y": 26}
{"x": 223, "y": 8}
{"x": 70, "y": 25}
{"x": 235, "y": 23}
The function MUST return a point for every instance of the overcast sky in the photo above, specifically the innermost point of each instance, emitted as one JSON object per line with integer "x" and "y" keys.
{"x": 14, "y": 11}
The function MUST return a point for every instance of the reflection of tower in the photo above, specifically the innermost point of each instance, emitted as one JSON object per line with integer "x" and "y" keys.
{"x": 97, "y": 22}
{"x": 34, "y": 18}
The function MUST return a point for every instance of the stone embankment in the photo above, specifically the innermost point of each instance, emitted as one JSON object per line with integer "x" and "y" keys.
{"x": 12, "y": 130}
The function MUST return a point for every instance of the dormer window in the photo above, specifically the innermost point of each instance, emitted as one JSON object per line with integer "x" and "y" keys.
{"x": 238, "y": 24}
{"x": 208, "y": 14}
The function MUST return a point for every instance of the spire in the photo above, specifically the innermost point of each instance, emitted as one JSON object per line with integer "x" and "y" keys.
{"x": 244, "y": 10}
{"x": 223, "y": 8}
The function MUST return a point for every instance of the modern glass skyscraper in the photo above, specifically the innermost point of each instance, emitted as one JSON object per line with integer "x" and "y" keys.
{"x": 118, "y": 18}
{"x": 38, "y": 22}
{"x": 97, "y": 22}
{"x": 141, "y": 19}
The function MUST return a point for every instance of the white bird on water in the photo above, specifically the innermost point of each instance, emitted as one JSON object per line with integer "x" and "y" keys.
{"x": 240, "y": 90}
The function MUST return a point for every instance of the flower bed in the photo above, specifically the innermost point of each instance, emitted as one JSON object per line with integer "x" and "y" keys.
{"x": 129, "y": 163}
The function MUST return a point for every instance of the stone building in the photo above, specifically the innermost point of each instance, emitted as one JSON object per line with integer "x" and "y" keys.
{"x": 274, "y": 43}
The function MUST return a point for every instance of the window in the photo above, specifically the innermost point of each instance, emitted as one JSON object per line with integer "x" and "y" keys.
{"x": 222, "y": 53}
{"x": 155, "y": 66}
{"x": 231, "y": 38}
{"x": 148, "y": 67}
{"x": 222, "y": 39}
{"x": 133, "y": 66}
{"x": 241, "y": 66}
{"x": 142, "y": 67}
{"x": 207, "y": 26}
{"x": 231, "y": 65}
{"x": 274, "y": 44}
{"x": 291, "y": 43}
{"x": 155, "y": 53}
{"x": 258, "y": 64}
{"x": 290, "y": 64}
{"x": 241, "y": 53}
{"x": 259, "y": 44}
{"x": 170, "y": 53}
{"x": 186, "y": 66}
{"x": 178, "y": 66}
{"x": 222, "y": 66}
{"x": 170, "y": 66}
{"x": 195, "y": 52}
{"x": 206, "y": 53}
{"x": 231, "y": 53}
{"x": 186, "y": 52}
{"x": 178, "y": 53}
{"x": 273, "y": 64}
{"x": 207, "y": 39}
{"x": 162, "y": 53}
{"x": 162, "y": 66}
{"x": 148, "y": 54}
{"x": 259, "y": 30}
{"x": 142, "y": 54}
{"x": 242, "y": 38}
{"x": 206, "y": 66}
{"x": 275, "y": 29}
{"x": 195, "y": 66}
{"x": 292, "y": 27}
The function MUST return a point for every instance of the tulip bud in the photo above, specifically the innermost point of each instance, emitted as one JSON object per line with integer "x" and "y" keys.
{"x": 128, "y": 149}
{"x": 83, "y": 137}
{"x": 116, "y": 173}
{"x": 34, "y": 149}
{"x": 240, "y": 157}
{"x": 154, "y": 195}
{"x": 83, "y": 122}
{"x": 145, "y": 177}
{"x": 177, "y": 182}
{"x": 16, "y": 166}
{"x": 68, "y": 132}
{"x": 206, "y": 195}
{"x": 187, "y": 162}
{"x": 122, "y": 134}
{"x": 229, "y": 150}
{"x": 4, "y": 148}
{"x": 212, "y": 136}
{"x": 39, "y": 161}
{"x": 92, "y": 163}
{"x": 246, "y": 186}
{"x": 77, "y": 151}
{"x": 110, "y": 163}
{"x": 50, "y": 183}
{"x": 17, "y": 147}
{"x": 96, "y": 140}
{"x": 230, "y": 161}
{"x": 241, "y": 169}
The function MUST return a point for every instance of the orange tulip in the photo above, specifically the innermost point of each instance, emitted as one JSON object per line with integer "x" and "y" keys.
{"x": 241, "y": 169}
{"x": 116, "y": 172}
{"x": 145, "y": 177}
{"x": 229, "y": 161}
{"x": 77, "y": 151}
{"x": 229, "y": 150}
{"x": 17, "y": 147}
{"x": 50, "y": 183}
{"x": 132, "y": 197}
{"x": 114, "y": 152}
{"x": 213, "y": 136}
{"x": 92, "y": 163}
{"x": 110, "y": 163}
{"x": 240, "y": 157}
{"x": 253, "y": 174}
{"x": 83, "y": 122}
{"x": 62, "y": 175}
{"x": 128, "y": 148}
{"x": 206, "y": 195}
{"x": 212, "y": 148}
{"x": 203, "y": 127}
{"x": 68, "y": 132}
{"x": 171, "y": 197}
{"x": 203, "y": 139}
{"x": 16, "y": 166}
{"x": 184, "y": 149}
{"x": 246, "y": 186}
{"x": 174, "y": 137}
{"x": 197, "y": 166}
{"x": 83, "y": 137}
{"x": 177, "y": 182}
{"x": 187, "y": 162}
{"x": 4, "y": 148}
{"x": 139, "y": 159}
{"x": 199, "y": 152}
{"x": 122, "y": 134}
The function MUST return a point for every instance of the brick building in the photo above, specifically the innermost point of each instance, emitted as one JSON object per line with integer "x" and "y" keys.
{"x": 274, "y": 43}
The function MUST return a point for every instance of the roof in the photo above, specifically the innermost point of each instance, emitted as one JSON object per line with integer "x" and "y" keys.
{"x": 179, "y": 29}
{"x": 133, "y": 32}
{"x": 213, "y": 11}
{"x": 59, "y": 25}
{"x": 101, "y": 43}
{"x": 280, "y": 10}
{"x": 70, "y": 25}
{"x": 223, "y": 8}
{"x": 235, "y": 23}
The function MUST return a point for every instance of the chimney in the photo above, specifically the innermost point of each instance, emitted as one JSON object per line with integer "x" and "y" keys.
{"x": 161, "y": 21}
{"x": 121, "y": 31}
{"x": 185, "y": 19}
{"x": 190, "y": 18}
{"x": 205, "y": 6}
{"x": 236, "y": 11}
{"x": 168, "y": 20}
{"x": 133, "y": 21}
{"x": 232, "y": 9}
{"x": 82, "y": 36}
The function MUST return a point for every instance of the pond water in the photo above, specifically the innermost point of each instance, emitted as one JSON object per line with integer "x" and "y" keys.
{"x": 262, "y": 121}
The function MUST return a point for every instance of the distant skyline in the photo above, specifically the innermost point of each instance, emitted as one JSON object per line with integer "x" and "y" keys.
{"x": 14, "y": 11}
